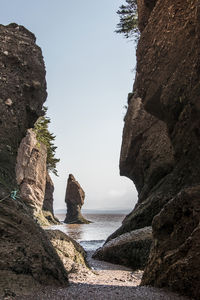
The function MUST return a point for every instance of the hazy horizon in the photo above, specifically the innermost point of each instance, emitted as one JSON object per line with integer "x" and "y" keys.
{"x": 88, "y": 78}
{"x": 90, "y": 210}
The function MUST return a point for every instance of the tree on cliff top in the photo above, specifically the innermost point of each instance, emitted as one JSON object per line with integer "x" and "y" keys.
{"x": 128, "y": 24}
{"x": 43, "y": 135}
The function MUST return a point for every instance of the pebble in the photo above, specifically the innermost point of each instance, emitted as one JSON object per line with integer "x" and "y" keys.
{"x": 8, "y": 102}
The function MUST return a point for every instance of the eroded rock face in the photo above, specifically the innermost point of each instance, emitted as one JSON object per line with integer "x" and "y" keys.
{"x": 146, "y": 152}
{"x": 168, "y": 79}
{"x": 74, "y": 199}
{"x": 70, "y": 252}
{"x": 130, "y": 249}
{"x": 147, "y": 158}
{"x": 31, "y": 170}
{"x": 168, "y": 84}
{"x": 36, "y": 186}
{"x": 168, "y": 182}
{"x": 47, "y": 208}
{"x": 48, "y": 197}
{"x": 27, "y": 258}
{"x": 22, "y": 93}
{"x": 175, "y": 257}
{"x": 145, "y": 8}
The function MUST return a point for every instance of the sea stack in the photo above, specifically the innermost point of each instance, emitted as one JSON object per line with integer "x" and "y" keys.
{"x": 74, "y": 199}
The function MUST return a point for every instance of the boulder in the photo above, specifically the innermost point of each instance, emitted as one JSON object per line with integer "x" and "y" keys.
{"x": 70, "y": 252}
{"x": 74, "y": 199}
{"x": 28, "y": 260}
{"x": 130, "y": 249}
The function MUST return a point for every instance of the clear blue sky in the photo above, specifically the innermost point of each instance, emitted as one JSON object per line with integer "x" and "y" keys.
{"x": 88, "y": 78}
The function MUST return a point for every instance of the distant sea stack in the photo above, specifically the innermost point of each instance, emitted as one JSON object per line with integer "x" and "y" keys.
{"x": 74, "y": 199}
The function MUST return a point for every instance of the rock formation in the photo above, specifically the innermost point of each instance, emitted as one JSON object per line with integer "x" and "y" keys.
{"x": 147, "y": 158}
{"x": 22, "y": 93}
{"x": 168, "y": 84}
{"x": 47, "y": 208}
{"x": 48, "y": 197}
{"x": 27, "y": 258}
{"x": 31, "y": 170}
{"x": 74, "y": 199}
{"x": 70, "y": 252}
{"x": 33, "y": 178}
{"x": 174, "y": 260}
{"x": 130, "y": 249}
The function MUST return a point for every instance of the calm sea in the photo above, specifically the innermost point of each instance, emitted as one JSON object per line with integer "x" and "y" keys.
{"x": 92, "y": 236}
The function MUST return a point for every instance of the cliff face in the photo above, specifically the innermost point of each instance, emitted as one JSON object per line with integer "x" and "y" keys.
{"x": 33, "y": 179}
{"x": 31, "y": 171}
{"x": 168, "y": 84}
{"x": 168, "y": 79}
{"x": 27, "y": 258}
{"x": 147, "y": 158}
{"x": 22, "y": 93}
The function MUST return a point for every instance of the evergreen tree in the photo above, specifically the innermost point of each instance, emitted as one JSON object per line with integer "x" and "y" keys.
{"x": 128, "y": 24}
{"x": 47, "y": 138}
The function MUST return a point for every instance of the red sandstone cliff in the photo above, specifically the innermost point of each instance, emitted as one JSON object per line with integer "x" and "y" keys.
{"x": 163, "y": 160}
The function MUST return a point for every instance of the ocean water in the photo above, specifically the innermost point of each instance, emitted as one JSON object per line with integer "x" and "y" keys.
{"x": 92, "y": 236}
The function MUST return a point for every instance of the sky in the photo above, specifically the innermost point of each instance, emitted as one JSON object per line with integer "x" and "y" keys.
{"x": 90, "y": 71}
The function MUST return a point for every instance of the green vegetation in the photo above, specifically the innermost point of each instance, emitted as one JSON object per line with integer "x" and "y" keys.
{"x": 128, "y": 24}
{"x": 47, "y": 138}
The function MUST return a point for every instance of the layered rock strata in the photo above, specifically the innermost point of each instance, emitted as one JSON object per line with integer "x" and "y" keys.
{"x": 74, "y": 199}
{"x": 130, "y": 249}
{"x": 27, "y": 258}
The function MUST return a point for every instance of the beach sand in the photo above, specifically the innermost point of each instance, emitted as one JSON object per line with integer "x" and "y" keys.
{"x": 105, "y": 281}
